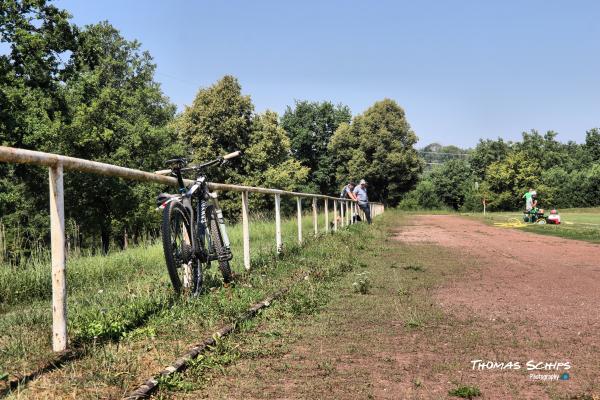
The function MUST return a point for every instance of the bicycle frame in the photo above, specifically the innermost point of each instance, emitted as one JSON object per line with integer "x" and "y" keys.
{"x": 199, "y": 215}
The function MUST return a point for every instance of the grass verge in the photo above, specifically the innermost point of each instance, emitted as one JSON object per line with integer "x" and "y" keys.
{"x": 125, "y": 320}
{"x": 394, "y": 340}
{"x": 577, "y": 223}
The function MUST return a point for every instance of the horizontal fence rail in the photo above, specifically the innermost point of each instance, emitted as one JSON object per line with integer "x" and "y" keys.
{"x": 344, "y": 212}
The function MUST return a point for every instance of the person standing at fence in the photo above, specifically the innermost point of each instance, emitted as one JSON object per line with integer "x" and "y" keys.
{"x": 347, "y": 191}
{"x": 360, "y": 192}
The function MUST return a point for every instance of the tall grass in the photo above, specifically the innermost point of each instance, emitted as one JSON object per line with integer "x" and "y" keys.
{"x": 111, "y": 295}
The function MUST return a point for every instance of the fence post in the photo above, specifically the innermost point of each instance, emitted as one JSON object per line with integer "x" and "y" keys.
{"x": 327, "y": 215}
{"x": 335, "y": 216}
{"x": 246, "y": 230}
{"x": 59, "y": 277}
{"x": 347, "y": 207}
{"x": 342, "y": 215}
{"x": 299, "y": 206}
{"x": 350, "y": 213}
{"x": 314, "y": 208}
{"x": 278, "y": 223}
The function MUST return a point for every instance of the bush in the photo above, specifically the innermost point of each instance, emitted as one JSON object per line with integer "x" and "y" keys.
{"x": 422, "y": 197}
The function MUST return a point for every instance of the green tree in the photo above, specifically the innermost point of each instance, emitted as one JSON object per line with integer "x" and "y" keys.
{"x": 116, "y": 114}
{"x": 509, "y": 179}
{"x": 423, "y": 196}
{"x": 487, "y": 152}
{"x": 562, "y": 187}
{"x": 592, "y": 144}
{"x": 451, "y": 182}
{"x": 544, "y": 150}
{"x": 268, "y": 161}
{"x": 37, "y": 35}
{"x": 310, "y": 126}
{"x": 475, "y": 195}
{"x": 379, "y": 147}
{"x": 218, "y": 122}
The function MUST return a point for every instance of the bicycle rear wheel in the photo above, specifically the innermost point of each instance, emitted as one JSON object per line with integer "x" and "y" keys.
{"x": 184, "y": 269}
{"x": 217, "y": 243}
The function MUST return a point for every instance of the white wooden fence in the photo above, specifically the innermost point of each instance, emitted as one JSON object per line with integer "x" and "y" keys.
{"x": 57, "y": 164}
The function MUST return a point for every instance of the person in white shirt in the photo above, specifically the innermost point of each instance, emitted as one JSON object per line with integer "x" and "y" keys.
{"x": 363, "y": 199}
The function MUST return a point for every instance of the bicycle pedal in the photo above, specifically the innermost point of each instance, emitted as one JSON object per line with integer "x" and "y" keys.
{"x": 225, "y": 257}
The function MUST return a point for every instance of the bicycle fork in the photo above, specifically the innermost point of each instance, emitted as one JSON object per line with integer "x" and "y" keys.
{"x": 226, "y": 253}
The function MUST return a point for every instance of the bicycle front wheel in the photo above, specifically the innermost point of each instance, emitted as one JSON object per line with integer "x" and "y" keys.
{"x": 184, "y": 269}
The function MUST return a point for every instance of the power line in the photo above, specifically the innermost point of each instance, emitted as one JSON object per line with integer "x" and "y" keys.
{"x": 445, "y": 154}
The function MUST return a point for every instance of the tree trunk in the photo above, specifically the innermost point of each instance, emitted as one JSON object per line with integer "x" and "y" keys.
{"x": 105, "y": 237}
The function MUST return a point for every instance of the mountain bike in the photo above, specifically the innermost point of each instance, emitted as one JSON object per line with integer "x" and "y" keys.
{"x": 193, "y": 229}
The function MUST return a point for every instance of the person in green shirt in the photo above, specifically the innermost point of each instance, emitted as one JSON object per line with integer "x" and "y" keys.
{"x": 529, "y": 199}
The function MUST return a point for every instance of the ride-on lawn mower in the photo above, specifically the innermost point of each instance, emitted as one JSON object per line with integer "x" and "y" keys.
{"x": 537, "y": 216}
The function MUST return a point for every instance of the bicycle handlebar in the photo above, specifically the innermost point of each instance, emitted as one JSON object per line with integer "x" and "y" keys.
{"x": 206, "y": 164}
{"x": 232, "y": 155}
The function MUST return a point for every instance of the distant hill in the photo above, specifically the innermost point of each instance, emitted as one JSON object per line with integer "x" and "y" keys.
{"x": 436, "y": 153}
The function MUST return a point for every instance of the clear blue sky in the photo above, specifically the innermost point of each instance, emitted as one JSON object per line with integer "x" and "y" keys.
{"x": 461, "y": 69}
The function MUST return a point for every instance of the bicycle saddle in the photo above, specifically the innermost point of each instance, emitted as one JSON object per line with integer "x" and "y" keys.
{"x": 177, "y": 162}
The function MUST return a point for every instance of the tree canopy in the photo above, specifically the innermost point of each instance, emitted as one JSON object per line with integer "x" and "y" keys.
{"x": 90, "y": 92}
{"x": 221, "y": 120}
{"x": 310, "y": 126}
{"x": 563, "y": 174}
{"x": 378, "y": 146}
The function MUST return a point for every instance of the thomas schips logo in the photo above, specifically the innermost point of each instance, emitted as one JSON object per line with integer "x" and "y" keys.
{"x": 531, "y": 365}
{"x": 534, "y": 367}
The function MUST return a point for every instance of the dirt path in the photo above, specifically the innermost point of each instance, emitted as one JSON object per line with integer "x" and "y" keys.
{"x": 446, "y": 291}
{"x": 544, "y": 291}
{"x": 554, "y": 281}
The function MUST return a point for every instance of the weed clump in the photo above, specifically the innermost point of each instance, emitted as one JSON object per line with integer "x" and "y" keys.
{"x": 362, "y": 284}
{"x": 175, "y": 382}
{"x": 415, "y": 268}
{"x": 465, "y": 392}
